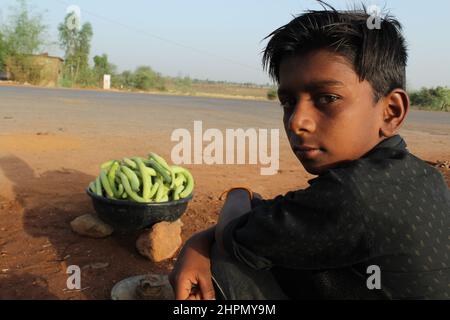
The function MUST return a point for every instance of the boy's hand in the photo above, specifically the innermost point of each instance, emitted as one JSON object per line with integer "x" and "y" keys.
{"x": 191, "y": 277}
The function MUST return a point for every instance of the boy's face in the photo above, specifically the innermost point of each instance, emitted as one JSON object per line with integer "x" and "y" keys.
{"x": 328, "y": 109}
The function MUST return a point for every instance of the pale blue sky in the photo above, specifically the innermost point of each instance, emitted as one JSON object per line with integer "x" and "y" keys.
{"x": 221, "y": 40}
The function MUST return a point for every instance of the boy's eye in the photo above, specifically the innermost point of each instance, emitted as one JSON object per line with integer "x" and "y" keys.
{"x": 287, "y": 103}
{"x": 325, "y": 99}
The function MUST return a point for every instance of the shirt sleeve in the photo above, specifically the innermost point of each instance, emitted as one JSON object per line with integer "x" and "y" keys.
{"x": 320, "y": 227}
{"x": 255, "y": 202}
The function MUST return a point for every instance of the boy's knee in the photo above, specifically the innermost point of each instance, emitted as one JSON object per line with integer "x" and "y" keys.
{"x": 234, "y": 280}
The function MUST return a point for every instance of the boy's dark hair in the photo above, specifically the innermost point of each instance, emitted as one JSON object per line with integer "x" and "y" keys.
{"x": 377, "y": 55}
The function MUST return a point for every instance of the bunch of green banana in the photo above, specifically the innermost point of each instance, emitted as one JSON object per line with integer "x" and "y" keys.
{"x": 142, "y": 180}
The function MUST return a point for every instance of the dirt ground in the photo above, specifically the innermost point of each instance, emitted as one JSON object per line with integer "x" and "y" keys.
{"x": 43, "y": 176}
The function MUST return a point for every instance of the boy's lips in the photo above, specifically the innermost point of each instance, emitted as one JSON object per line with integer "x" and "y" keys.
{"x": 307, "y": 152}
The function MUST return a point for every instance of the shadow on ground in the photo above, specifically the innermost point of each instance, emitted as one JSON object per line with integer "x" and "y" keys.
{"x": 49, "y": 202}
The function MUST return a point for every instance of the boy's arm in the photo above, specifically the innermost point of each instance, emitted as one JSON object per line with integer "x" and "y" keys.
{"x": 237, "y": 203}
{"x": 318, "y": 227}
{"x": 193, "y": 268}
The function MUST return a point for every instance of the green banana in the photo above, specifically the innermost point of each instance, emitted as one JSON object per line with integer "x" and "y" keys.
{"x": 177, "y": 169}
{"x": 92, "y": 187}
{"x": 130, "y": 163}
{"x": 111, "y": 178}
{"x": 150, "y": 171}
{"x": 177, "y": 191}
{"x": 146, "y": 179}
{"x": 160, "y": 193}
{"x": 172, "y": 179}
{"x": 138, "y": 173}
{"x": 120, "y": 190}
{"x": 143, "y": 180}
{"x": 189, "y": 181}
{"x": 189, "y": 185}
{"x": 161, "y": 170}
{"x": 154, "y": 189}
{"x": 179, "y": 180}
{"x": 105, "y": 184}
{"x": 98, "y": 187}
{"x": 128, "y": 189}
{"x": 160, "y": 160}
{"x": 133, "y": 178}
{"x": 107, "y": 164}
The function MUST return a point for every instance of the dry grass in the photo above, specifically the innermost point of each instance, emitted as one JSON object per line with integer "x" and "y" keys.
{"x": 221, "y": 90}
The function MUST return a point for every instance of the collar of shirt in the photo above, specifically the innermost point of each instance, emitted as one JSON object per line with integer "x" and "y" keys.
{"x": 393, "y": 145}
{"x": 394, "y": 142}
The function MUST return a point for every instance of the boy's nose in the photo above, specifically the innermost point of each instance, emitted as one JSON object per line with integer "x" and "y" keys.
{"x": 302, "y": 118}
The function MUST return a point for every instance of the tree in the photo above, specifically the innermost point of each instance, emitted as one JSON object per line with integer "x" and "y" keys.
{"x": 145, "y": 78}
{"x": 77, "y": 44}
{"x": 183, "y": 82}
{"x": 102, "y": 67}
{"x": 272, "y": 94}
{"x": 25, "y": 32}
{"x": 123, "y": 80}
{"x": 3, "y": 52}
{"x": 434, "y": 98}
{"x": 23, "y": 35}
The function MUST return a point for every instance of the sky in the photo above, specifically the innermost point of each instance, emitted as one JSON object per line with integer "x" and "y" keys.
{"x": 223, "y": 40}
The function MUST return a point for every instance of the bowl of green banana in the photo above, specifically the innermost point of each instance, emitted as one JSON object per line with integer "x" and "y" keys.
{"x": 135, "y": 193}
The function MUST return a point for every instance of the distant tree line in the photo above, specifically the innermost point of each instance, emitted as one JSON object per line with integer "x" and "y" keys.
{"x": 437, "y": 98}
{"x": 24, "y": 34}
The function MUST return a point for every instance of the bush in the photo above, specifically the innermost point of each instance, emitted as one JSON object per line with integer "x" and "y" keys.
{"x": 65, "y": 83}
{"x": 144, "y": 78}
{"x": 24, "y": 68}
{"x": 3, "y": 52}
{"x": 183, "y": 83}
{"x": 87, "y": 78}
{"x": 122, "y": 80}
{"x": 431, "y": 98}
{"x": 272, "y": 94}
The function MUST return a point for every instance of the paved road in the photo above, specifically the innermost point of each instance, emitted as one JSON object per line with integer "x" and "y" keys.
{"x": 30, "y": 110}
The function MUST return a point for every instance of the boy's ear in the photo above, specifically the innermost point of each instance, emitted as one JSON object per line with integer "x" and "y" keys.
{"x": 395, "y": 108}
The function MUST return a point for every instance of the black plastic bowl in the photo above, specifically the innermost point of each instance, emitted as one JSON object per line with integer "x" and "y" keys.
{"x": 125, "y": 215}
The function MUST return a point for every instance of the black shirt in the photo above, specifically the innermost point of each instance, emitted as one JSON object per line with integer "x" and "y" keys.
{"x": 388, "y": 208}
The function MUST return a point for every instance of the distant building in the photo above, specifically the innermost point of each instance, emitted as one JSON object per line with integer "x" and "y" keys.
{"x": 42, "y": 69}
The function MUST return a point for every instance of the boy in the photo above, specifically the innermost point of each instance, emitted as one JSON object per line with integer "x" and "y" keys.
{"x": 373, "y": 206}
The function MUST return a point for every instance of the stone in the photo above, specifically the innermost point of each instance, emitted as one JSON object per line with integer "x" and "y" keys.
{"x": 91, "y": 226}
{"x": 161, "y": 241}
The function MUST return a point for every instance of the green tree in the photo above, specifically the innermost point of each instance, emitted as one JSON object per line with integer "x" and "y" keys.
{"x": 145, "y": 78}
{"x": 3, "y": 52}
{"x": 77, "y": 44}
{"x": 272, "y": 94}
{"x": 431, "y": 98}
{"x": 102, "y": 66}
{"x": 123, "y": 80}
{"x": 183, "y": 83}
{"x": 25, "y": 32}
